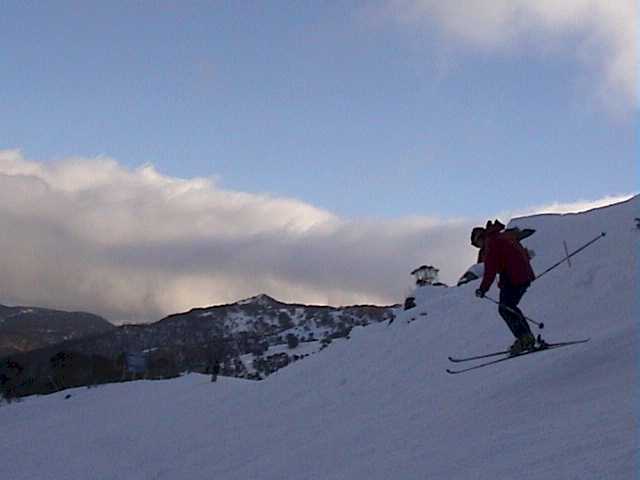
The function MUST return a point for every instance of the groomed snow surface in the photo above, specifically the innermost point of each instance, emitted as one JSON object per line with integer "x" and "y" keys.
{"x": 380, "y": 405}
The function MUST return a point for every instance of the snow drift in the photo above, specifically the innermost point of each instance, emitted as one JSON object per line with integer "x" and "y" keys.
{"x": 380, "y": 405}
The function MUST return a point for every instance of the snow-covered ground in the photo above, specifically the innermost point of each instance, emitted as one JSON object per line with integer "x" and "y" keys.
{"x": 380, "y": 405}
{"x": 302, "y": 350}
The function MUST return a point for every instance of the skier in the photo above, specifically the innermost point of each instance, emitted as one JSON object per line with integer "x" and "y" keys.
{"x": 502, "y": 253}
{"x": 215, "y": 370}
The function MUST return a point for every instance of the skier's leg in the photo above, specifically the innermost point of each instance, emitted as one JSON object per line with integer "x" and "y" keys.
{"x": 510, "y": 296}
{"x": 507, "y": 303}
{"x": 523, "y": 324}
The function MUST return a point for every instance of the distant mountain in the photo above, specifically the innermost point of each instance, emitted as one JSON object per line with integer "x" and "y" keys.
{"x": 250, "y": 326}
{"x": 264, "y": 318}
{"x": 263, "y": 333}
{"x": 251, "y": 338}
{"x": 23, "y": 329}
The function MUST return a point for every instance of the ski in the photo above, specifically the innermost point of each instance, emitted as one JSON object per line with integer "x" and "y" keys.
{"x": 506, "y": 352}
{"x": 548, "y": 346}
{"x": 478, "y": 357}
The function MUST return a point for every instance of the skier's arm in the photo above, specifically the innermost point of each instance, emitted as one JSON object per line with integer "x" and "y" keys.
{"x": 490, "y": 271}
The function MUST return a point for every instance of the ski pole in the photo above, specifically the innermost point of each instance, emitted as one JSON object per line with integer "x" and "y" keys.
{"x": 540, "y": 325}
{"x": 571, "y": 255}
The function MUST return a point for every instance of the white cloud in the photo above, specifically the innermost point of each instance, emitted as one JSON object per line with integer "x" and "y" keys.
{"x": 606, "y": 31}
{"x": 135, "y": 245}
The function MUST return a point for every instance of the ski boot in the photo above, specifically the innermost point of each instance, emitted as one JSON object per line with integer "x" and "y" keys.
{"x": 522, "y": 344}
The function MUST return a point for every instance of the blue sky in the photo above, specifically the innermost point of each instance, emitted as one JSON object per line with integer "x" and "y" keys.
{"x": 315, "y": 151}
{"x": 333, "y": 103}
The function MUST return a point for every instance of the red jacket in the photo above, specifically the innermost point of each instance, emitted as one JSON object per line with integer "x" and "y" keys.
{"x": 503, "y": 254}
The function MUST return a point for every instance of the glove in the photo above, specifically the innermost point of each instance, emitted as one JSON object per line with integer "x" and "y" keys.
{"x": 480, "y": 293}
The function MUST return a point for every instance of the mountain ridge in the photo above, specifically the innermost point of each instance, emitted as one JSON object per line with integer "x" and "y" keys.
{"x": 29, "y": 328}
{"x": 251, "y": 338}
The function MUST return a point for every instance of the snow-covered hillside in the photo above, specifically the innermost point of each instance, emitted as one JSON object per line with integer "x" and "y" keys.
{"x": 380, "y": 405}
{"x": 248, "y": 339}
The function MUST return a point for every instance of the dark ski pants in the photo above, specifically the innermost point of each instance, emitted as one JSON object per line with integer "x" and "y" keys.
{"x": 510, "y": 296}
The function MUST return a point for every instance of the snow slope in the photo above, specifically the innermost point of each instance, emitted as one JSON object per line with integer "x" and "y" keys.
{"x": 380, "y": 405}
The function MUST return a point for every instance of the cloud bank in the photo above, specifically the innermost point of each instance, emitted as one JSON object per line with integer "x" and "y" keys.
{"x": 600, "y": 33}
{"x": 135, "y": 245}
